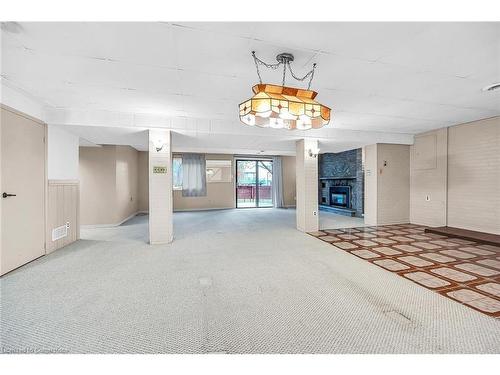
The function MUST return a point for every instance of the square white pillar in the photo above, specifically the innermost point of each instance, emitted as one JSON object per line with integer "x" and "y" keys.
{"x": 160, "y": 187}
{"x": 307, "y": 185}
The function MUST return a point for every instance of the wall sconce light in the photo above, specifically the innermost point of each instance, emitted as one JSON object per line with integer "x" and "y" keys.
{"x": 158, "y": 145}
{"x": 313, "y": 152}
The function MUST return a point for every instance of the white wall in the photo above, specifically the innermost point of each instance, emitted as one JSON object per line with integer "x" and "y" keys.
{"x": 160, "y": 188}
{"x": 306, "y": 167}
{"x": 62, "y": 150}
{"x": 371, "y": 201}
{"x": 98, "y": 185}
{"x": 456, "y": 177}
{"x": 387, "y": 184}
{"x": 428, "y": 175}
{"x": 393, "y": 187}
{"x": 289, "y": 185}
{"x": 474, "y": 176}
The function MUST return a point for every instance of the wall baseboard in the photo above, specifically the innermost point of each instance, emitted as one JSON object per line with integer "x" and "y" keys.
{"x": 95, "y": 226}
{"x": 204, "y": 209}
{"x": 395, "y": 222}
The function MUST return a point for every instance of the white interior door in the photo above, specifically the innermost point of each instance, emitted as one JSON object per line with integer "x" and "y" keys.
{"x": 23, "y": 190}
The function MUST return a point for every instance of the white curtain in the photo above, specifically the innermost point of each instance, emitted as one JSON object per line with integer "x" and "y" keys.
{"x": 194, "y": 177}
{"x": 278, "y": 183}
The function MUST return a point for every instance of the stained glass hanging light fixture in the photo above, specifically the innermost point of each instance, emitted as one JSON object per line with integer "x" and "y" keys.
{"x": 283, "y": 107}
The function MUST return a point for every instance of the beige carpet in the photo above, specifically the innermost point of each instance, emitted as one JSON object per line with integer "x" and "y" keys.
{"x": 233, "y": 281}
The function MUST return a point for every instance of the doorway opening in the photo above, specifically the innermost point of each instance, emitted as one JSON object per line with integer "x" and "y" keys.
{"x": 254, "y": 183}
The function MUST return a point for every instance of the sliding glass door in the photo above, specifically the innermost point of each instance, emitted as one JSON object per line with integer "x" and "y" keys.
{"x": 254, "y": 183}
{"x": 264, "y": 183}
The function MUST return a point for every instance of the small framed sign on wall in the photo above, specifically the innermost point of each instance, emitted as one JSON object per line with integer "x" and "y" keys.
{"x": 159, "y": 169}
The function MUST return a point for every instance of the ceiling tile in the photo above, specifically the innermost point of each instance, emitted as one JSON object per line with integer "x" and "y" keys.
{"x": 378, "y": 78}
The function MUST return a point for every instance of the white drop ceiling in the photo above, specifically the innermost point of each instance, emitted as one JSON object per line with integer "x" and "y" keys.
{"x": 385, "y": 82}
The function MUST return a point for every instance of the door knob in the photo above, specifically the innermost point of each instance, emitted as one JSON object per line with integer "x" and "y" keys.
{"x": 5, "y": 195}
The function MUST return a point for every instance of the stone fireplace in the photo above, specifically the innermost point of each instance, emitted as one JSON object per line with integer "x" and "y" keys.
{"x": 341, "y": 182}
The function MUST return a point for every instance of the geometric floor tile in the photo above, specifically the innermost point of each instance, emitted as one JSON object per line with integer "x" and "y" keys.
{"x": 477, "y": 269}
{"x": 384, "y": 241}
{"x": 391, "y": 265}
{"x": 345, "y": 245}
{"x": 317, "y": 233}
{"x": 401, "y": 239}
{"x": 486, "y": 304}
{"x": 416, "y": 230}
{"x": 329, "y": 238}
{"x": 444, "y": 243}
{"x": 438, "y": 257}
{"x": 386, "y": 250}
{"x": 491, "y": 288}
{"x": 464, "y": 271}
{"x": 436, "y": 236}
{"x": 348, "y": 236}
{"x": 426, "y": 279}
{"x": 381, "y": 233}
{"x": 418, "y": 237}
{"x": 453, "y": 274}
{"x": 398, "y": 232}
{"x": 476, "y": 250}
{"x": 462, "y": 241}
{"x": 366, "y": 243}
{"x": 426, "y": 245}
{"x": 407, "y": 248}
{"x": 465, "y": 295}
{"x": 490, "y": 247}
{"x": 490, "y": 263}
{"x": 366, "y": 254}
{"x": 477, "y": 300}
{"x": 457, "y": 254}
{"x": 415, "y": 261}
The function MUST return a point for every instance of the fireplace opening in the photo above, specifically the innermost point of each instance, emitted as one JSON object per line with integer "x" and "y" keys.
{"x": 340, "y": 196}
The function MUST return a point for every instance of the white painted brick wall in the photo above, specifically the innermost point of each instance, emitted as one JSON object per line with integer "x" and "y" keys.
{"x": 160, "y": 188}
{"x": 307, "y": 186}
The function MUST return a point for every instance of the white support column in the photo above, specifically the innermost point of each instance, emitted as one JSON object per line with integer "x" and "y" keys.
{"x": 307, "y": 186}
{"x": 160, "y": 187}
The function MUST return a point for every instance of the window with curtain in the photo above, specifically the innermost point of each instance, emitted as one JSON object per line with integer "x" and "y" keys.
{"x": 177, "y": 173}
{"x": 216, "y": 171}
{"x": 194, "y": 175}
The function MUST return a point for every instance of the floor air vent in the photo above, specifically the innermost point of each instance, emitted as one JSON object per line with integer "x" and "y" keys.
{"x": 59, "y": 232}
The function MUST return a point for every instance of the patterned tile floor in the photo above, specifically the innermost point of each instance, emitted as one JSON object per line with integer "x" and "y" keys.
{"x": 465, "y": 271}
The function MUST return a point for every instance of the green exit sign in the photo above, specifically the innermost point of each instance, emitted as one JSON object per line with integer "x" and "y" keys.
{"x": 157, "y": 169}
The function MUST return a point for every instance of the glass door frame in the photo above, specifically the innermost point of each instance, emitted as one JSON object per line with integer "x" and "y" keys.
{"x": 256, "y": 160}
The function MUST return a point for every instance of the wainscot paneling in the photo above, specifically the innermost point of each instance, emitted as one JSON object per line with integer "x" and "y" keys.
{"x": 63, "y": 210}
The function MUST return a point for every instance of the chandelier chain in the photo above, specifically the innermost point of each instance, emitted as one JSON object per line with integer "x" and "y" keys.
{"x": 258, "y": 62}
{"x": 309, "y": 74}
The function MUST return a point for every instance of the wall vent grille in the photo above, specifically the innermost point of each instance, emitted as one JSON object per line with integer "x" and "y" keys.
{"x": 59, "y": 232}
